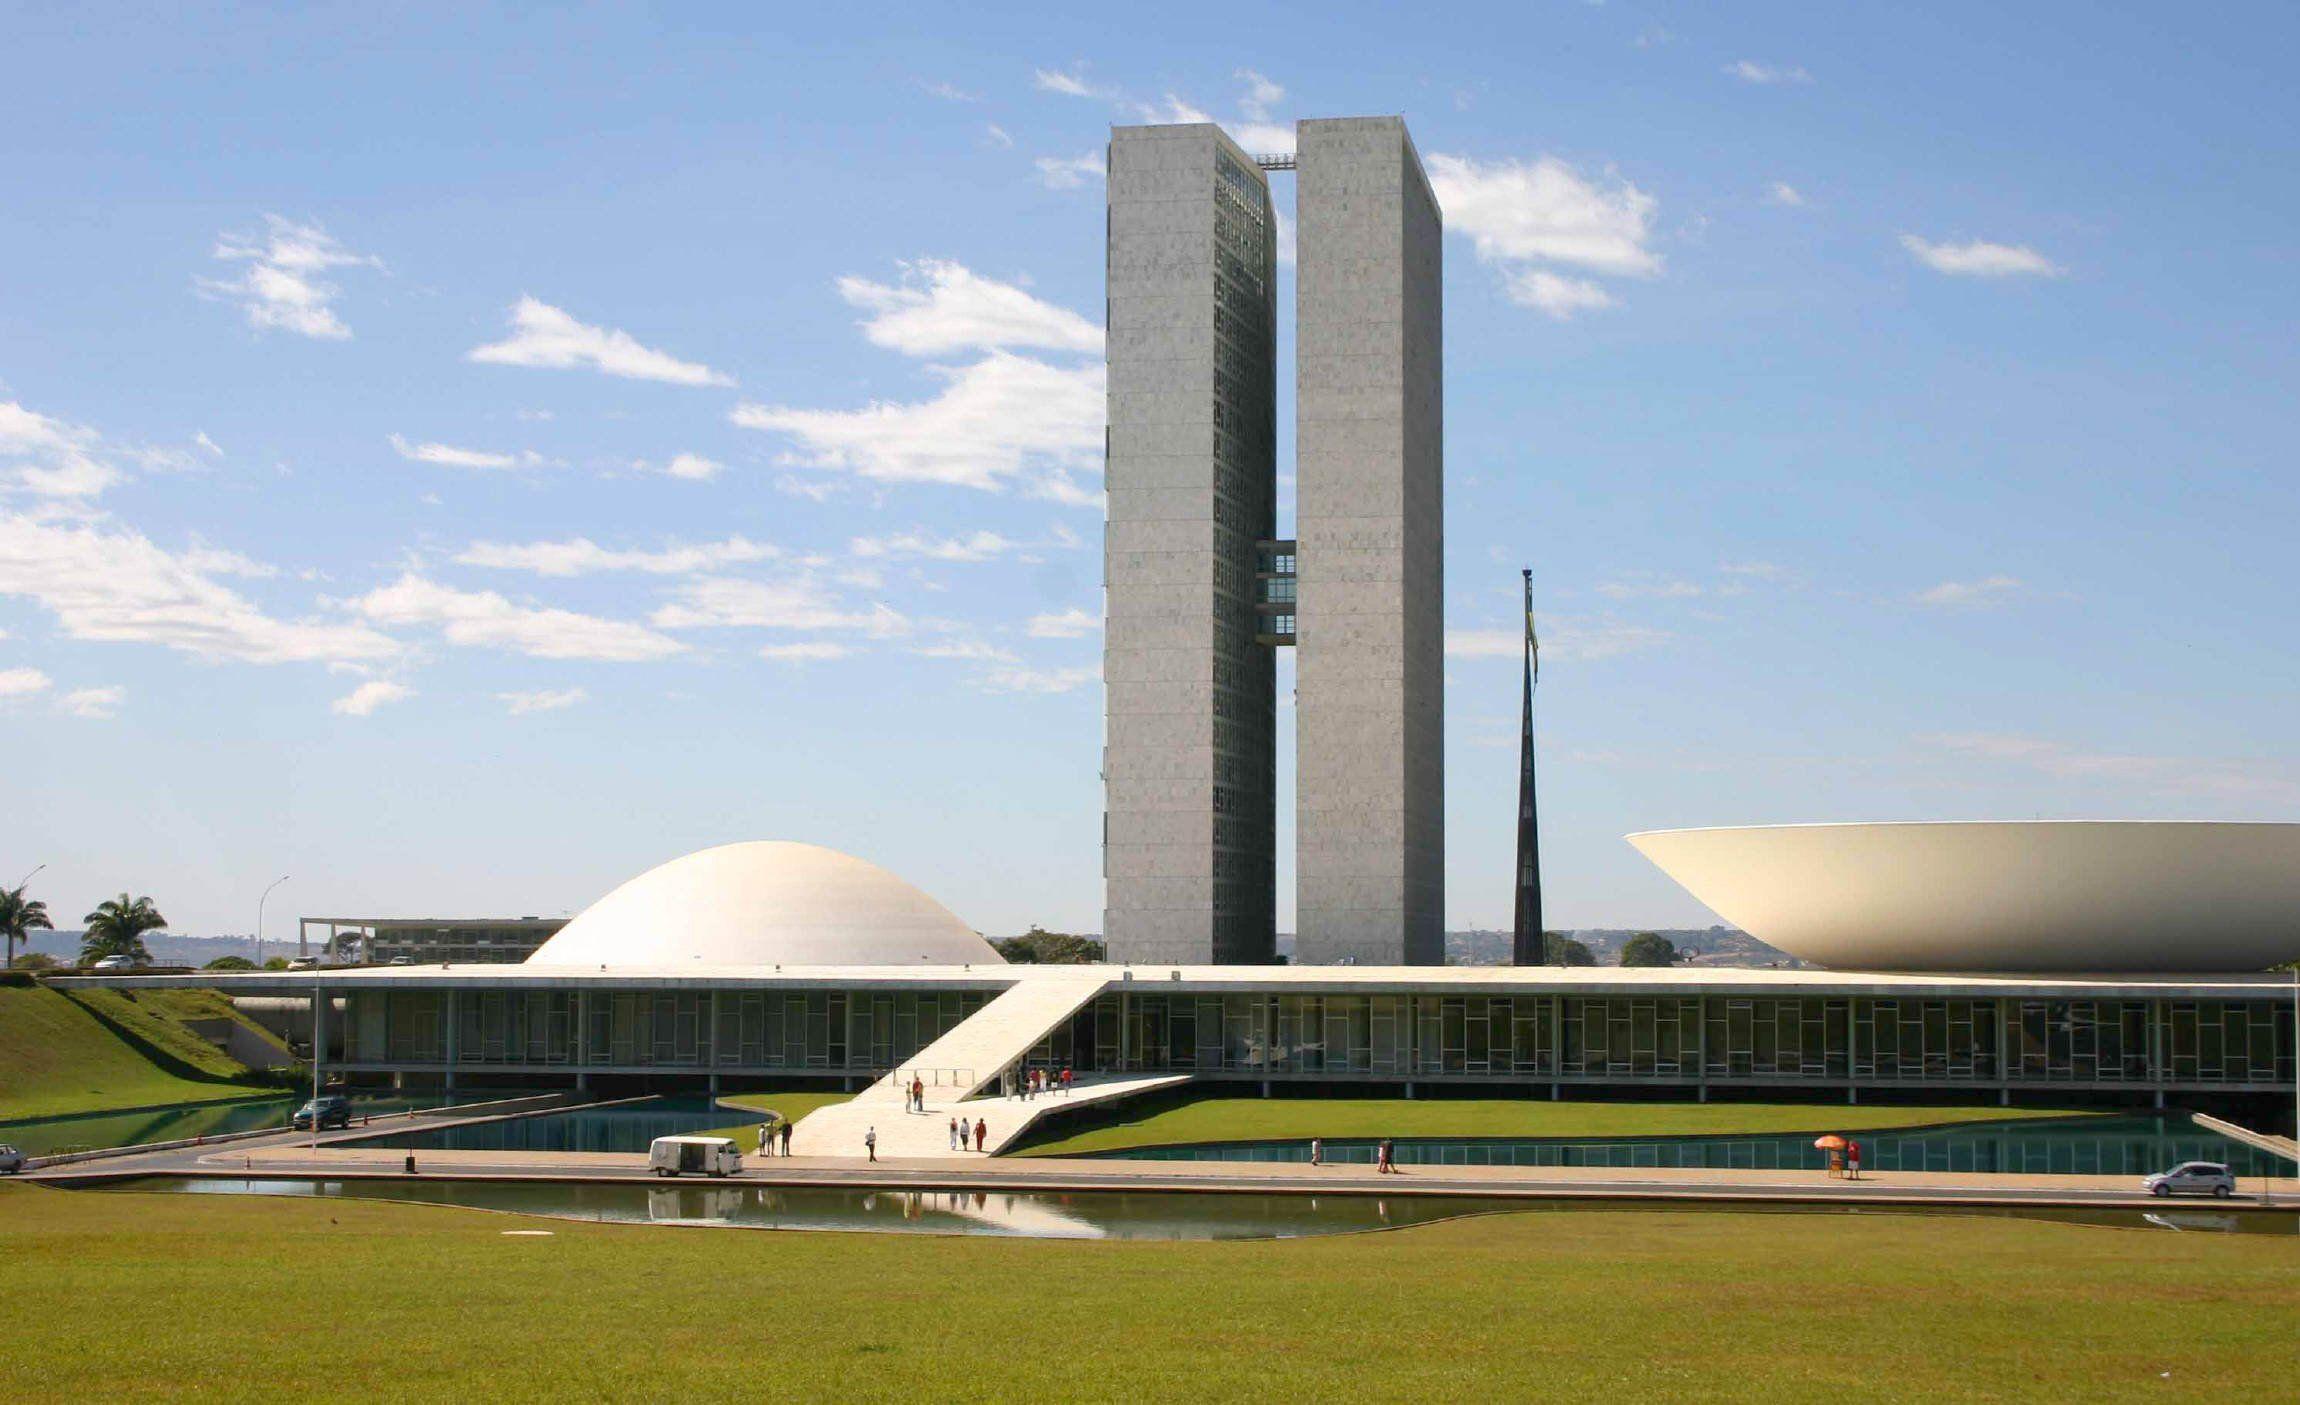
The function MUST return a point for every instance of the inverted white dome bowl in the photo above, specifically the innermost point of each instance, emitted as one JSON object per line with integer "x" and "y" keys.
{"x": 2048, "y": 896}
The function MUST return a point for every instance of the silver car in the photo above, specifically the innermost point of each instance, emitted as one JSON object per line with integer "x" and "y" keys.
{"x": 11, "y": 1160}
{"x": 2192, "y": 1178}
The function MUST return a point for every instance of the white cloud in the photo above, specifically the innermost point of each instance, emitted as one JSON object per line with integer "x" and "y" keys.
{"x": 1070, "y": 172}
{"x": 363, "y": 700}
{"x": 116, "y": 586}
{"x": 581, "y": 556}
{"x": 216, "y": 561}
{"x": 284, "y": 287}
{"x": 546, "y": 336}
{"x": 693, "y": 467}
{"x": 950, "y": 92}
{"x": 22, "y": 682}
{"x": 213, "y": 449}
{"x": 2219, "y": 777}
{"x": 1003, "y": 418}
{"x": 1554, "y": 293}
{"x": 813, "y": 651}
{"x": 969, "y": 650}
{"x": 95, "y": 704}
{"x": 1546, "y": 211}
{"x": 999, "y": 136}
{"x": 941, "y": 307}
{"x": 51, "y": 458}
{"x": 1530, "y": 217}
{"x": 452, "y": 456}
{"x": 976, "y": 546}
{"x": 542, "y": 700}
{"x": 1072, "y": 623}
{"x": 728, "y": 603}
{"x": 1173, "y": 111}
{"x": 1261, "y": 95}
{"x": 1071, "y": 84}
{"x": 1783, "y": 193}
{"x": 1978, "y": 258}
{"x": 1767, "y": 74}
{"x": 1562, "y": 639}
{"x": 484, "y": 619}
{"x": 1970, "y": 595}
{"x": 1040, "y": 680}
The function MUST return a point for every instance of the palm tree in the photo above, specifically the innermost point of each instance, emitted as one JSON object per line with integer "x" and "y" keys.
{"x": 19, "y": 919}
{"x": 117, "y": 927}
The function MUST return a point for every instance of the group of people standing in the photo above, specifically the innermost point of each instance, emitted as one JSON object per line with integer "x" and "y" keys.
{"x": 959, "y": 1132}
{"x": 770, "y": 1131}
{"x": 1039, "y": 1082}
{"x": 1385, "y": 1155}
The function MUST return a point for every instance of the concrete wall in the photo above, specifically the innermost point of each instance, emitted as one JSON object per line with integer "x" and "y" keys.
{"x": 1369, "y": 695}
{"x": 1189, "y": 758}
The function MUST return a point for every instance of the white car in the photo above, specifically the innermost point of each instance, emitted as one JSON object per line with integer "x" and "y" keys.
{"x": 114, "y": 963}
{"x": 11, "y": 1160}
{"x": 2192, "y": 1178}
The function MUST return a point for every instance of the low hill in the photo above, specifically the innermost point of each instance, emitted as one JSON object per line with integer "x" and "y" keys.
{"x": 96, "y": 1050}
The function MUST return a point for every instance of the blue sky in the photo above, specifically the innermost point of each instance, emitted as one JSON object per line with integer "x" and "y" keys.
{"x": 461, "y": 458}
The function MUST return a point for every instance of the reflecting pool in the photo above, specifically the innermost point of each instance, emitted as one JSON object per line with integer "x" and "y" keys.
{"x": 619, "y": 1127}
{"x": 1117, "y": 1215}
{"x": 2083, "y": 1146}
{"x": 56, "y": 1135}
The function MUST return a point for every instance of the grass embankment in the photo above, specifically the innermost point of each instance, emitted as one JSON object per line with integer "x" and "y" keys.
{"x": 101, "y": 1049}
{"x": 1177, "y": 1120}
{"x": 793, "y": 1103}
{"x": 443, "y": 1305}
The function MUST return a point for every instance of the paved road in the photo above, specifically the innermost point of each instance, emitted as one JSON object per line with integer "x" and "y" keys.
{"x": 291, "y": 1157}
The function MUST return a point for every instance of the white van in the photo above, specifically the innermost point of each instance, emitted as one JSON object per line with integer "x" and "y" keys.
{"x": 710, "y": 1156}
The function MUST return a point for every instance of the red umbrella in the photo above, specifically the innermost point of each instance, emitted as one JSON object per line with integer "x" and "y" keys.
{"x": 1831, "y": 1142}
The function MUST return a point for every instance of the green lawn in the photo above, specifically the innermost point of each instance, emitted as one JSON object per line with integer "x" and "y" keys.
{"x": 1172, "y": 1120}
{"x": 793, "y": 1103}
{"x": 418, "y": 1303}
{"x": 57, "y": 1057}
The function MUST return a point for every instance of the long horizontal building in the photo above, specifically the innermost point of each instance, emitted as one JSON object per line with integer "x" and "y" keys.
{"x": 765, "y": 961}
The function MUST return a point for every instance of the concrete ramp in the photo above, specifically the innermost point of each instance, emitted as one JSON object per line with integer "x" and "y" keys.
{"x": 957, "y": 1068}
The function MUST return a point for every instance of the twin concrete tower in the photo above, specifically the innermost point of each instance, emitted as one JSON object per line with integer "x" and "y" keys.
{"x": 1202, "y": 589}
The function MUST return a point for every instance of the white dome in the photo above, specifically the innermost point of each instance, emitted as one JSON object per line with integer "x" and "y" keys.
{"x": 2017, "y": 896}
{"x": 769, "y": 902}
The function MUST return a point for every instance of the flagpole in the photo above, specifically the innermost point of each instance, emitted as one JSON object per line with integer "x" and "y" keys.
{"x": 1527, "y": 946}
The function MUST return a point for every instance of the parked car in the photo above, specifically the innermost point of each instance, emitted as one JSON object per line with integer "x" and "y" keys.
{"x": 114, "y": 963}
{"x": 332, "y": 1110}
{"x": 11, "y": 1160}
{"x": 2192, "y": 1178}
{"x": 712, "y": 1156}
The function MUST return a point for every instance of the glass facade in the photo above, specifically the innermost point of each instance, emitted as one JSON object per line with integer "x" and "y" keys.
{"x": 832, "y": 1030}
{"x": 1810, "y": 1039}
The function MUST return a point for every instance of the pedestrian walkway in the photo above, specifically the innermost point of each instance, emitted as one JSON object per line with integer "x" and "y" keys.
{"x": 961, "y": 1065}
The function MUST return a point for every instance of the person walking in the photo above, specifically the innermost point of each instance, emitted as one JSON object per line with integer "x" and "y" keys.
{"x": 1066, "y": 1080}
{"x": 870, "y": 1142}
{"x": 918, "y": 1092}
{"x": 981, "y": 1133}
{"x": 784, "y": 1131}
{"x": 767, "y": 1137}
{"x": 1317, "y": 1152}
{"x": 1382, "y": 1162}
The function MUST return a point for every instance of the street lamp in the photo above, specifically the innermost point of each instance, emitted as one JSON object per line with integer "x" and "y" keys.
{"x": 19, "y": 890}
{"x": 260, "y": 917}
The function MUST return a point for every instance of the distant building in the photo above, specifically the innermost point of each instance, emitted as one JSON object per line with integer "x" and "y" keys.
{"x": 425, "y": 941}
